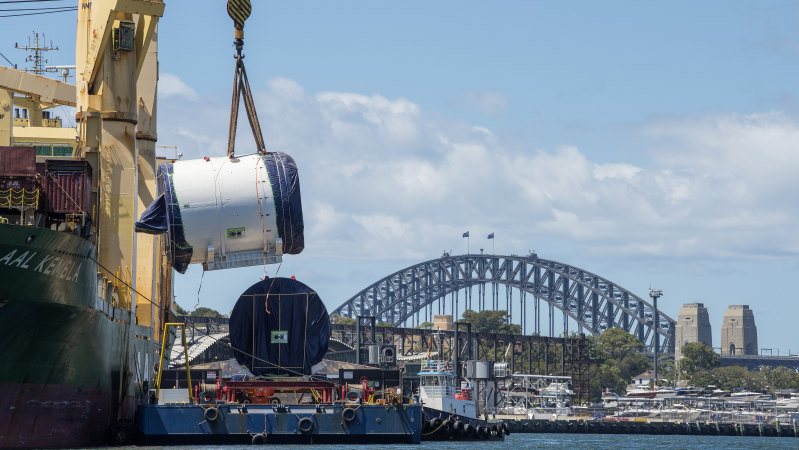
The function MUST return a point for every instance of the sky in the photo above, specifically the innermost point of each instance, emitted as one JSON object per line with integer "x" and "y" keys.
{"x": 653, "y": 143}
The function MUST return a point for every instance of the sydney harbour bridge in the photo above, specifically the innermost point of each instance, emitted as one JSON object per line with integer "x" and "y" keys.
{"x": 543, "y": 289}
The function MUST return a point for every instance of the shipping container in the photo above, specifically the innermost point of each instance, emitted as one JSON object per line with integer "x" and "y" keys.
{"x": 69, "y": 186}
{"x": 17, "y": 161}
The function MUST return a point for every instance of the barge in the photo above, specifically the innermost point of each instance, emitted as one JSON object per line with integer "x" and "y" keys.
{"x": 242, "y": 424}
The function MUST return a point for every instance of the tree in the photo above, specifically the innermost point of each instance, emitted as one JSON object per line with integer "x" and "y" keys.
{"x": 704, "y": 379}
{"x": 341, "y": 320}
{"x": 206, "y": 312}
{"x": 488, "y": 321}
{"x": 781, "y": 378}
{"x": 667, "y": 370}
{"x": 733, "y": 377}
{"x": 633, "y": 364}
{"x": 617, "y": 358}
{"x": 425, "y": 326}
{"x": 384, "y": 324}
{"x": 605, "y": 376}
{"x": 615, "y": 344}
{"x": 698, "y": 357}
{"x": 180, "y": 311}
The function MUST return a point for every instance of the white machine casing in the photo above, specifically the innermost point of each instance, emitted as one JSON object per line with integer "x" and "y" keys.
{"x": 228, "y": 211}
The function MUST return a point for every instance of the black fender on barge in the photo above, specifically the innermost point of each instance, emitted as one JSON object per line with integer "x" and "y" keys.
{"x": 439, "y": 425}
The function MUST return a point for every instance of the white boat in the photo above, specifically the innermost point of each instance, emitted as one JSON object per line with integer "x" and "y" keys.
{"x": 449, "y": 409}
{"x": 440, "y": 389}
{"x": 789, "y": 403}
{"x": 558, "y": 390}
{"x": 642, "y": 392}
{"x": 660, "y": 393}
{"x": 745, "y": 396}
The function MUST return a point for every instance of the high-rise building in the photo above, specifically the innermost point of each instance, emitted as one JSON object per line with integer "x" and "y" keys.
{"x": 738, "y": 331}
{"x": 693, "y": 325}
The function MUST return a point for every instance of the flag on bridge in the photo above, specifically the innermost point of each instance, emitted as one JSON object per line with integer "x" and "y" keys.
{"x": 466, "y": 234}
{"x": 491, "y": 236}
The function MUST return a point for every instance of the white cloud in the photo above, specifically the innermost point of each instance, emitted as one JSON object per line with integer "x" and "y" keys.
{"x": 170, "y": 85}
{"x": 382, "y": 177}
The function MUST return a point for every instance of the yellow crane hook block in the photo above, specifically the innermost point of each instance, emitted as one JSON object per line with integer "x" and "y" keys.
{"x": 239, "y": 11}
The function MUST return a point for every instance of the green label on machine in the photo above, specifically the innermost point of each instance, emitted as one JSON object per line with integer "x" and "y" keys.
{"x": 280, "y": 337}
{"x": 233, "y": 233}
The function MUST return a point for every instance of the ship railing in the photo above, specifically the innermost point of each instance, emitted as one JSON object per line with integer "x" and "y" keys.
{"x": 19, "y": 198}
{"x": 435, "y": 366}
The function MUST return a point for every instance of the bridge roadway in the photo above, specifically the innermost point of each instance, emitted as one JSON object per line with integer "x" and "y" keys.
{"x": 756, "y": 362}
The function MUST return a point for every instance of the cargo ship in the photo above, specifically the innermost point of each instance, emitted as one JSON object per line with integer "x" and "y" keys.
{"x": 84, "y": 297}
{"x": 66, "y": 345}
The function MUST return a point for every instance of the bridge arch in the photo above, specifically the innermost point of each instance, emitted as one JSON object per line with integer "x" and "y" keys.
{"x": 593, "y": 302}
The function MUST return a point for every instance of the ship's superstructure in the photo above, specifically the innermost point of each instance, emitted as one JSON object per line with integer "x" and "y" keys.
{"x": 440, "y": 389}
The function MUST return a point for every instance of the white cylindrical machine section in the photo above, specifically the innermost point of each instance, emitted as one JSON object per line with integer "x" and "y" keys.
{"x": 228, "y": 212}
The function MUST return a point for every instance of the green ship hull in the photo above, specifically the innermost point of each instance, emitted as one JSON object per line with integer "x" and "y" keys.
{"x": 64, "y": 351}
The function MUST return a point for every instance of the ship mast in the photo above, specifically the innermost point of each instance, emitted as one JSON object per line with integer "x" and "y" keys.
{"x": 36, "y": 57}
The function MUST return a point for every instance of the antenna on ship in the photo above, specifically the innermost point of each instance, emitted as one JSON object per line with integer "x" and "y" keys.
{"x": 36, "y": 56}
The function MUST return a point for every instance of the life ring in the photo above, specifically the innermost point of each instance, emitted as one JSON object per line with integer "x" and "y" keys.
{"x": 353, "y": 396}
{"x": 305, "y": 425}
{"x": 211, "y": 414}
{"x": 348, "y": 415}
{"x": 259, "y": 439}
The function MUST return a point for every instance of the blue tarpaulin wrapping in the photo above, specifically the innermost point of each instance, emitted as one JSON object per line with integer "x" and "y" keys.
{"x": 154, "y": 220}
{"x": 283, "y": 324}
{"x": 285, "y": 183}
{"x": 163, "y": 215}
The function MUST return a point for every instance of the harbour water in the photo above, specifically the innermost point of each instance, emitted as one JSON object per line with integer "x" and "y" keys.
{"x": 576, "y": 441}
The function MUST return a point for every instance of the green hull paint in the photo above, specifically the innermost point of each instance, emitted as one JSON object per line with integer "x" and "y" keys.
{"x": 62, "y": 344}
